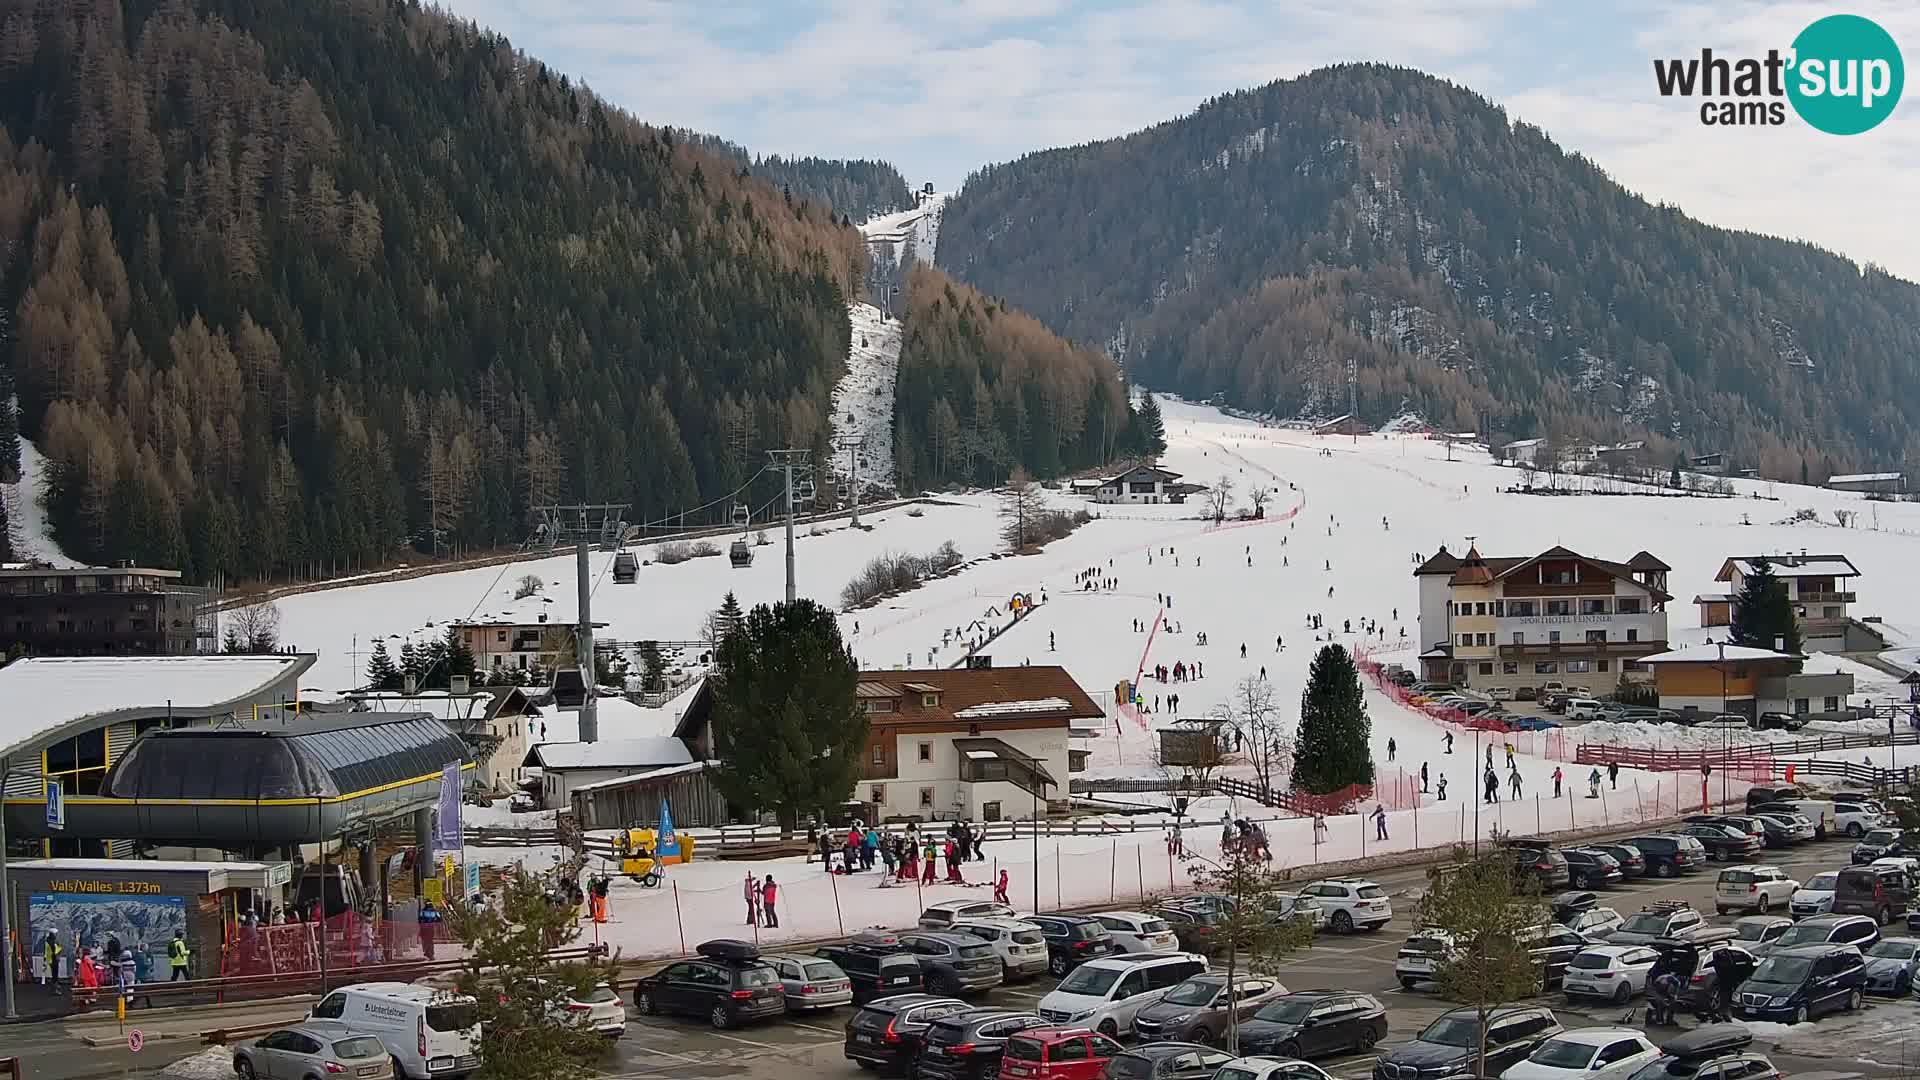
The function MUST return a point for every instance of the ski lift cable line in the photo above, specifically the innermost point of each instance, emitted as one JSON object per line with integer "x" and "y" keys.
{"x": 728, "y": 497}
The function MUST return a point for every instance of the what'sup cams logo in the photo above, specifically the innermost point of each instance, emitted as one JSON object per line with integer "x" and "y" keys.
{"x": 1843, "y": 76}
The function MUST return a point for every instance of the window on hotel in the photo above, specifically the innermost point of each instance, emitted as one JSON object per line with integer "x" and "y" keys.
{"x": 878, "y": 793}
{"x": 1481, "y": 639}
{"x": 1486, "y": 669}
{"x": 1466, "y": 640}
{"x": 1553, "y": 637}
{"x": 1510, "y": 667}
{"x": 926, "y": 797}
{"x": 1479, "y": 609}
{"x": 926, "y": 751}
{"x": 1519, "y": 638}
{"x": 1592, "y": 606}
{"x": 1633, "y": 635}
{"x": 879, "y": 754}
{"x": 1499, "y": 609}
{"x": 1546, "y": 667}
{"x": 1832, "y": 704}
{"x": 1596, "y": 637}
{"x": 1559, "y": 607}
{"x": 1602, "y": 665}
{"x": 1522, "y": 609}
{"x": 1577, "y": 667}
{"x": 1627, "y": 605}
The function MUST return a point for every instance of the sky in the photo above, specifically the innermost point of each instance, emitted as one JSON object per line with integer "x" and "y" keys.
{"x": 942, "y": 87}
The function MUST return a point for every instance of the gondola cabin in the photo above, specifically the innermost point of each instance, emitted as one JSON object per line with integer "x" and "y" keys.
{"x": 741, "y": 554}
{"x": 626, "y": 568}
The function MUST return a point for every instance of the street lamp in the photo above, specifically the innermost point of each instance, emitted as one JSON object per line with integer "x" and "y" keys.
{"x": 1726, "y": 733}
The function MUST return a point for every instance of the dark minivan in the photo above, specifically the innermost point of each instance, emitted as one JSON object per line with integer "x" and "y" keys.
{"x": 1879, "y": 891}
{"x": 1446, "y": 1046}
{"x": 876, "y": 965}
{"x": 968, "y": 1045}
{"x": 1670, "y": 855}
{"x": 1797, "y": 984}
{"x": 886, "y": 1033}
{"x": 728, "y": 984}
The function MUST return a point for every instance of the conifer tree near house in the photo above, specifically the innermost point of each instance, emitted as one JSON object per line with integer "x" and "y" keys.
{"x": 458, "y": 657}
{"x": 382, "y": 672}
{"x": 1332, "y": 749}
{"x": 727, "y": 619}
{"x": 413, "y": 663}
{"x": 1150, "y": 428}
{"x": 785, "y": 720}
{"x": 1763, "y": 616}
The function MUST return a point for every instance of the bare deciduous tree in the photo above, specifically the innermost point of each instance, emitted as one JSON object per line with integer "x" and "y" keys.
{"x": 253, "y": 630}
{"x": 1219, "y": 497}
{"x": 1263, "y": 738}
{"x": 1259, "y": 495}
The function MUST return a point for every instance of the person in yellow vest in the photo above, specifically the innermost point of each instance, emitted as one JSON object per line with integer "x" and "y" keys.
{"x": 53, "y": 955}
{"x": 177, "y": 956}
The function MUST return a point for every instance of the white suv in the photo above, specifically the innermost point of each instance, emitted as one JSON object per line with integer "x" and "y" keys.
{"x": 1134, "y": 932}
{"x": 1105, "y": 994}
{"x": 1753, "y": 888}
{"x": 1019, "y": 944}
{"x": 1351, "y": 903}
{"x": 1585, "y": 708}
{"x": 943, "y": 914}
{"x": 1858, "y": 819}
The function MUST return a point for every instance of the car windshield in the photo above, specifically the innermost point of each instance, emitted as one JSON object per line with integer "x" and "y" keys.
{"x": 1090, "y": 981}
{"x": 451, "y": 1017}
{"x": 1452, "y": 1031}
{"x": 1285, "y": 1012}
{"x": 1645, "y": 923}
{"x": 1024, "y": 1049}
{"x": 755, "y": 976}
{"x": 599, "y": 995}
{"x": 1782, "y": 969}
{"x": 1593, "y": 961}
{"x": 1193, "y": 992}
{"x": 1153, "y": 926}
{"x": 823, "y": 971}
{"x": 1893, "y": 950}
{"x": 1882, "y": 837}
{"x": 359, "y": 1046}
{"x": 1803, "y": 934}
{"x": 1822, "y": 882}
{"x": 1563, "y": 1054}
{"x": 1370, "y": 892}
{"x": 1029, "y": 937}
{"x": 1087, "y": 931}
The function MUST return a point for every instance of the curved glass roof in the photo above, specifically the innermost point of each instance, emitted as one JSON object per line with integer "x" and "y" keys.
{"x": 327, "y": 756}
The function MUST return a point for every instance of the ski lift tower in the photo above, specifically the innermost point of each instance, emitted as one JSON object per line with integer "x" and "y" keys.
{"x": 797, "y": 466}
{"x": 568, "y": 524}
{"x": 853, "y": 445}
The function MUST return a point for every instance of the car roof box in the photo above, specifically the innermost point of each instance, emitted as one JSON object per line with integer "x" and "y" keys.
{"x": 1578, "y": 899}
{"x": 728, "y": 949}
{"x": 1710, "y": 1040}
{"x": 875, "y": 939}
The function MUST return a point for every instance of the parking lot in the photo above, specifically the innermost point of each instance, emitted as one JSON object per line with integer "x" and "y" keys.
{"x": 1866, "y": 1043}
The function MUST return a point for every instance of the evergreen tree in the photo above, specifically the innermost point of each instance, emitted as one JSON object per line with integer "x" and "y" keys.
{"x": 413, "y": 664}
{"x": 785, "y": 720}
{"x": 382, "y": 672}
{"x": 653, "y": 674}
{"x": 1150, "y": 428}
{"x": 1332, "y": 749}
{"x": 458, "y": 657}
{"x": 727, "y": 619}
{"x": 1762, "y": 612}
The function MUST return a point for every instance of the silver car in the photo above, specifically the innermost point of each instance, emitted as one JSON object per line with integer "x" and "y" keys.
{"x": 1891, "y": 966}
{"x": 810, "y": 982}
{"x": 313, "y": 1052}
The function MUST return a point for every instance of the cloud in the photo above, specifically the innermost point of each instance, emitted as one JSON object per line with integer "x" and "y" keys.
{"x": 941, "y": 88}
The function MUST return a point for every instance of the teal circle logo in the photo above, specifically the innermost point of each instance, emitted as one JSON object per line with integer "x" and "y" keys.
{"x": 1846, "y": 75}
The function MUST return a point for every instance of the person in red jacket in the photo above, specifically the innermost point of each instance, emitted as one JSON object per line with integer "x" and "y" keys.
{"x": 1000, "y": 890}
{"x": 768, "y": 893}
{"x": 926, "y": 878}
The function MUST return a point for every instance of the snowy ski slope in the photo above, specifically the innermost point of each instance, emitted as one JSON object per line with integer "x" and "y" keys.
{"x": 863, "y": 399}
{"x": 27, "y": 516}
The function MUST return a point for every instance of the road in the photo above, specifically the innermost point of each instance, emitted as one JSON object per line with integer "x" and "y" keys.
{"x": 1841, "y": 1047}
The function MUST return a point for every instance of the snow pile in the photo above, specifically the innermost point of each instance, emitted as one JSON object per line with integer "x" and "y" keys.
{"x": 27, "y": 513}
{"x": 213, "y": 1063}
{"x": 863, "y": 399}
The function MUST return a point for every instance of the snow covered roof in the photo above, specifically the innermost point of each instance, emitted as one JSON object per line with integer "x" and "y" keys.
{"x": 1863, "y": 478}
{"x": 664, "y": 773}
{"x": 1790, "y": 566}
{"x": 1524, "y": 443}
{"x": 610, "y": 753}
{"x": 1709, "y": 653}
{"x": 1012, "y": 708}
{"x": 47, "y": 694}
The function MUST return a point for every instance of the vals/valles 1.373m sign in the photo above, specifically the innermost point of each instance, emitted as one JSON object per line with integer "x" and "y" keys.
{"x": 1843, "y": 75}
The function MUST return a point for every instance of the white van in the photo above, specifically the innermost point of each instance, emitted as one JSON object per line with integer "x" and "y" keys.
{"x": 1584, "y": 708}
{"x": 1105, "y": 994}
{"x": 1818, "y": 811}
{"x": 430, "y": 1033}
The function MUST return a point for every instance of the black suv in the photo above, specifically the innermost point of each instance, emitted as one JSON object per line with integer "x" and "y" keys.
{"x": 967, "y": 1045}
{"x": 1800, "y": 983}
{"x": 1072, "y": 940}
{"x": 1314, "y": 1023}
{"x": 1881, "y": 844}
{"x": 1446, "y": 1046}
{"x": 952, "y": 963}
{"x": 876, "y": 965}
{"x": 728, "y": 985}
{"x": 1541, "y": 861}
{"x": 886, "y": 1034}
{"x": 1670, "y": 855}
{"x": 1591, "y": 868}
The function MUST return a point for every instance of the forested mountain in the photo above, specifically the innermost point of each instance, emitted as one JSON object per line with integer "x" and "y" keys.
{"x": 983, "y": 387}
{"x": 1471, "y": 268}
{"x": 857, "y": 190}
{"x": 295, "y": 284}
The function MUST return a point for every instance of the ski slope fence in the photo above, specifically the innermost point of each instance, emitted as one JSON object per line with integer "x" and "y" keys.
{"x": 1738, "y": 755}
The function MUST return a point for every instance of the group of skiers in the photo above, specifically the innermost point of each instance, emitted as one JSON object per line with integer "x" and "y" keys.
{"x": 1244, "y": 835}
{"x": 116, "y": 965}
{"x": 762, "y": 901}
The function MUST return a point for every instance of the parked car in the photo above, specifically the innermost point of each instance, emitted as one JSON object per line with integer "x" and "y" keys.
{"x": 728, "y": 984}
{"x": 1529, "y": 723}
{"x": 1709, "y": 1052}
{"x": 1564, "y": 906}
{"x": 1596, "y": 1053}
{"x": 1272, "y": 1068}
{"x": 1595, "y": 924}
{"x": 1019, "y": 944}
{"x": 954, "y": 964}
{"x": 1166, "y": 1061}
{"x": 310, "y": 1050}
{"x": 875, "y": 965}
{"x": 1668, "y": 854}
{"x": 1796, "y": 984}
{"x": 1859, "y": 931}
{"x": 1723, "y": 841}
{"x": 1071, "y": 940}
{"x": 1757, "y": 930}
{"x": 1891, "y": 964}
{"x": 887, "y": 1033}
{"x": 598, "y": 1009}
{"x": 1447, "y": 1045}
{"x": 1632, "y": 863}
{"x": 1780, "y": 721}
{"x": 1584, "y": 708}
{"x": 428, "y": 1032}
{"x": 1351, "y": 903}
{"x": 1540, "y": 861}
{"x": 1197, "y": 1010}
{"x": 1285, "y": 905}
{"x": 1134, "y": 931}
{"x": 1591, "y": 868}
{"x": 1614, "y": 972}
{"x": 1776, "y": 832}
{"x": 1879, "y": 844}
{"x": 810, "y": 982}
{"x": 1799, "y": 826}
{"x": 1660, "y": 919}
{"x": 1745, "y": 823}
{"x": 1192, "y": 928}
{"x": 1552, "y": 946}
{"x": 1819, "y": 811}
{"x": 1105, "y": 994}
{"x": 1501, "y": 693}
{"x": 1814, "y": 896}
{"x": 1723, "y": 722}
{"x": 1858, "y": 819}
{"x": 1754, "y": 888}
{"x": 1054, "y": 1053}
{"x": 943, "y": 914}
{"x": 968, "y": 1045}
{"x": 1313, "y": 1023}
{"x": 1876, "y": 890}
{"x": 1421, "y": 955}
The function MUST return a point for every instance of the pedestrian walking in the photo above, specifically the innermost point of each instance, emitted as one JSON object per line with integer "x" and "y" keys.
{"x": 750, "y": 892}
{"x": 1423, "y": 778}
{"x": 1513, "y": 781}
{"x": 1392, "y": 749}
{"x": 177, "y": 957}
{"x": 769, "y": 893}
{"x": 1556, "y": 781}
{"x": 1593, "y": 783}
{"x": 1613, "y": 775}
{"x": 1509, "y": 755}
{"x": 1449, "y": 742}
{"x": 1441, "y": 788}
{"x": 1000, "y": 889}
{"x": 1492, "y": 785}
{"x": 1379, "y": 821}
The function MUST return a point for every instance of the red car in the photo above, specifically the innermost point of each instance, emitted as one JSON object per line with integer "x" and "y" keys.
{"x": 1057, "y": 1054}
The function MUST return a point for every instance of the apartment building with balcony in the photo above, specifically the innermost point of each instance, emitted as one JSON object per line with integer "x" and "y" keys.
{"x": 1820, "y": 587}
{"x": 1558, "y": 616}
{"x": 122, "y": 610}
